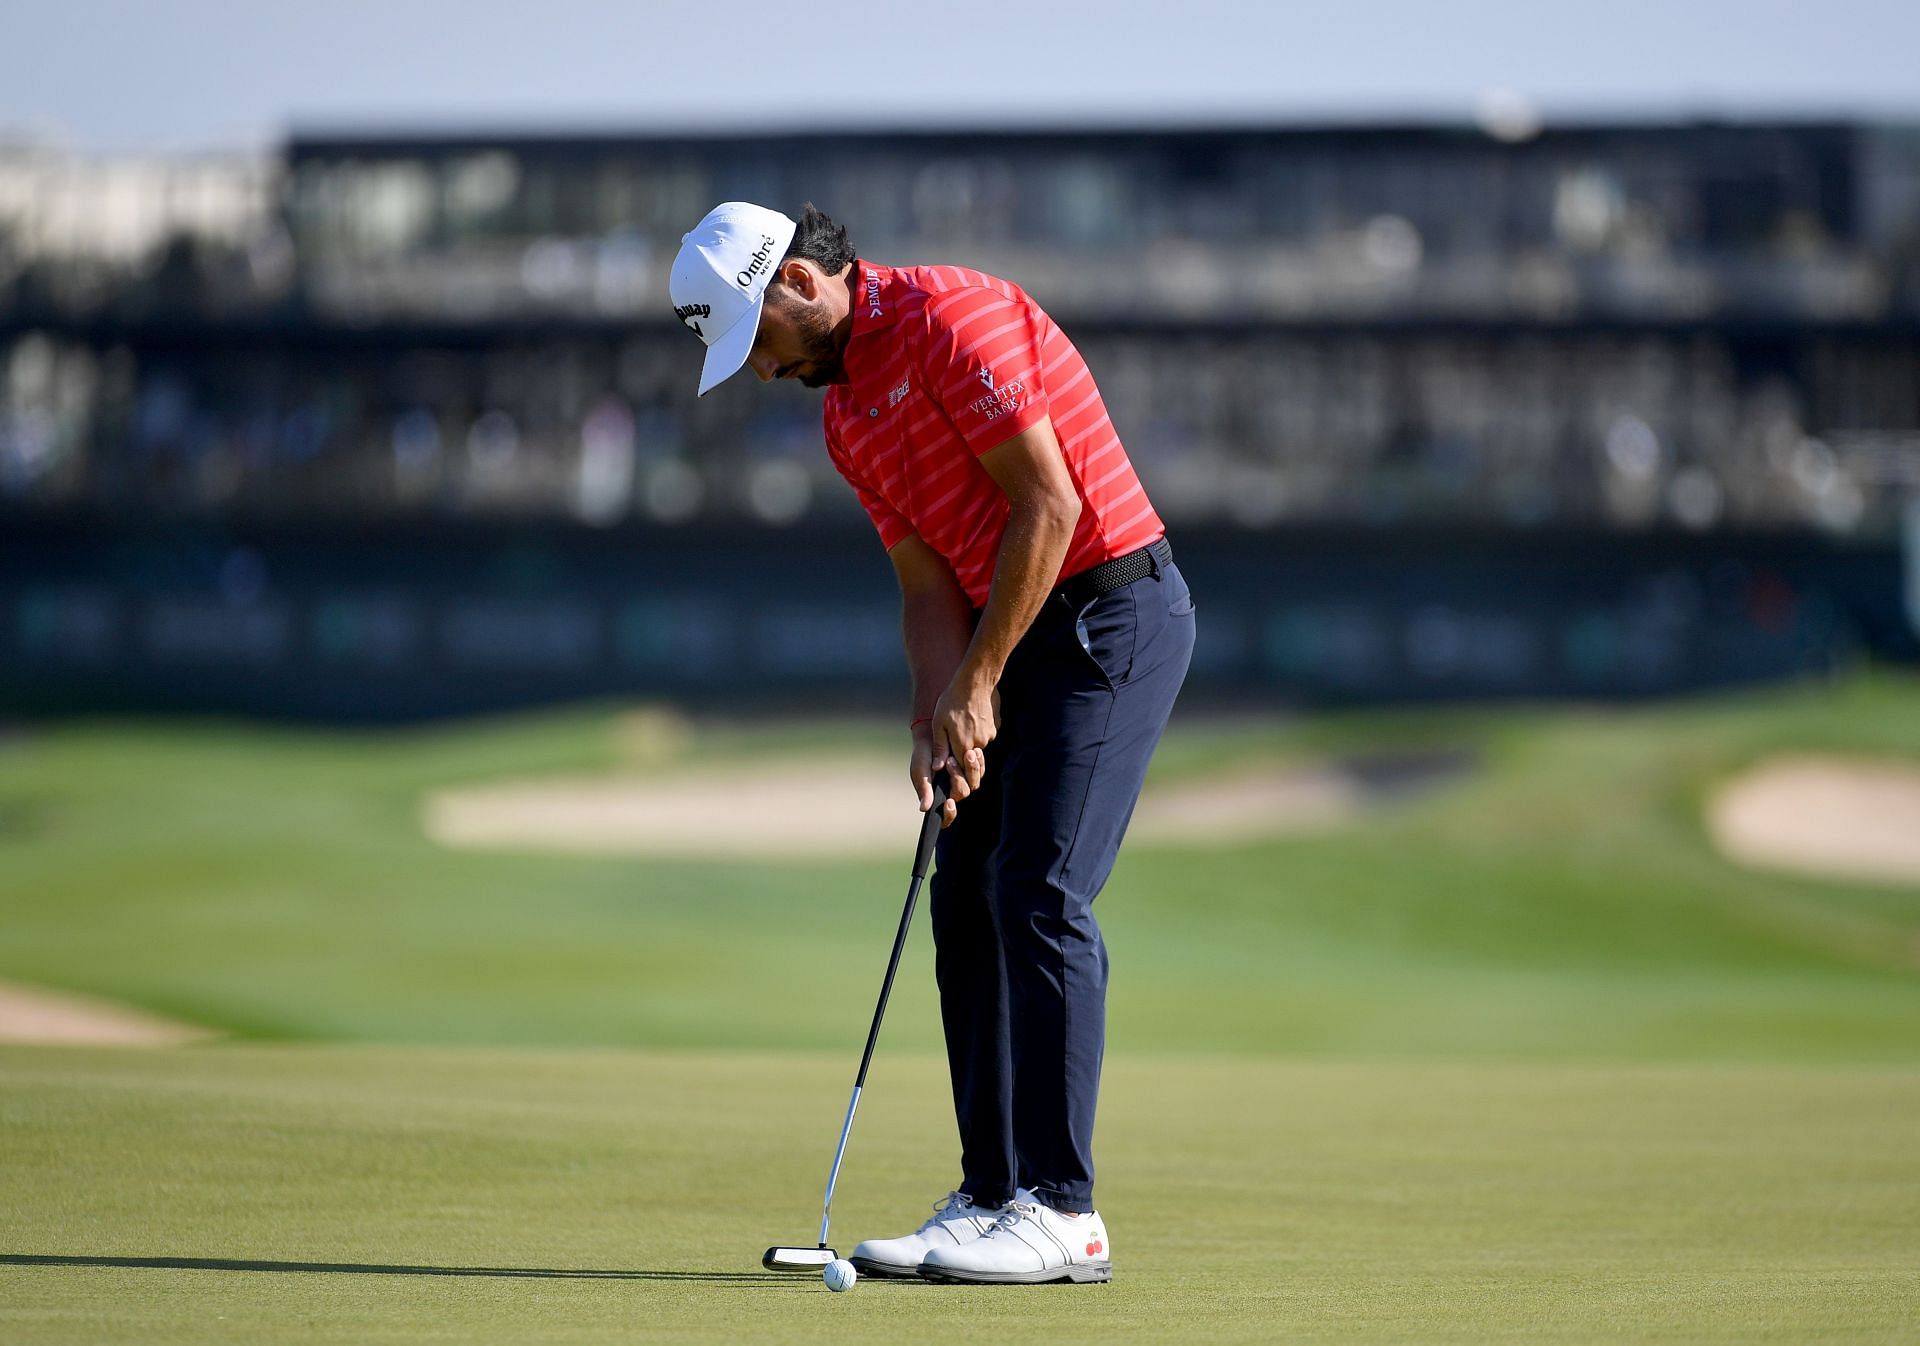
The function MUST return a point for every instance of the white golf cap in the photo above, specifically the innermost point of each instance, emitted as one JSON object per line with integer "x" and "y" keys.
{"x": 720, "y": 281}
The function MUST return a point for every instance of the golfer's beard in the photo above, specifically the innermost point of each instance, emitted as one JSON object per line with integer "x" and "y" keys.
{"x": 816, "y": 333}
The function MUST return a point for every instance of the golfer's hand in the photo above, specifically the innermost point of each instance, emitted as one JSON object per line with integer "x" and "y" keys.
{"x": 965, "y": 719}
{"x": 920, "y": 772}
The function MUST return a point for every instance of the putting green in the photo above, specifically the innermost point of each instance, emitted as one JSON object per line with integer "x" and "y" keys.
{"x": 262, "y": 1194}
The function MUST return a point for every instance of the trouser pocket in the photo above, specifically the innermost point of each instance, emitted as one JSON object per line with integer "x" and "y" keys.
{"x": 1105, "y": 630}
{"x": 1120, "y": 631}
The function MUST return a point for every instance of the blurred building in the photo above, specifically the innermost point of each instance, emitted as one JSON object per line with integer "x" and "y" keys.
{"x": 1623, "y": 326}
{"x": 1698, "y": 330}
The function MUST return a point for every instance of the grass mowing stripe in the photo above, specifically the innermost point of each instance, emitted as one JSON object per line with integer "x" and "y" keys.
{"x": 1562, "y": 901}
{"x": 268, "y": 1194}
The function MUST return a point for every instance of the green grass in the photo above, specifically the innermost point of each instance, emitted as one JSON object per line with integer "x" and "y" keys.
{"x": 1250, "y": 1201}
{"x": 1522, "y": 1060}
{"x": 1563, "y": 901}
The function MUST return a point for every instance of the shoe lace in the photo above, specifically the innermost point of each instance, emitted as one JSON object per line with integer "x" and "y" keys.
{"x": 1012, "y": 1214}
{"x": 952, "y": 1203}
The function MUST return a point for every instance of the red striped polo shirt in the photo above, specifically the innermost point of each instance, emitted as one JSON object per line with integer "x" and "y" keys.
{"x": 944, "y": 364}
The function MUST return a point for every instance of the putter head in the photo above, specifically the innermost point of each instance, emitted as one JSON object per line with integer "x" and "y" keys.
{"x": 797, "y": 1259}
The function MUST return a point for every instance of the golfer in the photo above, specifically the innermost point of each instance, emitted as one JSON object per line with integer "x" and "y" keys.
{"x": 1047, "y": 632}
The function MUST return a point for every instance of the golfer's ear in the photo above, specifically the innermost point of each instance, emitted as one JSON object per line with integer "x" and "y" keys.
{"x": 797, "y": 276}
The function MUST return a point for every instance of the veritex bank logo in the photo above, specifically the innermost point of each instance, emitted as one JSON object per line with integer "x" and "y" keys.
{"x": 998, "y": 401}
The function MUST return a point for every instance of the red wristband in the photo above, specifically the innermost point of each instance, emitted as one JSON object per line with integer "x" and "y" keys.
{"x": 924, "y": 719}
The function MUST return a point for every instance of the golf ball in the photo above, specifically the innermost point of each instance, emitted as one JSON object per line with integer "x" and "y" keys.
{"x": 839, "y": 1275}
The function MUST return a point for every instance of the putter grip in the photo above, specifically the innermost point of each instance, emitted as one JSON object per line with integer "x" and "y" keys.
{"x": 930, "y": 827}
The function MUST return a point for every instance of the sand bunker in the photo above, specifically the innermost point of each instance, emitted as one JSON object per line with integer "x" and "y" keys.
{"x": 784, "y": 807}
{"x": 1833, "y": 817}
{"x": 34, "y": 1014}
{"x": 843, "y": 807}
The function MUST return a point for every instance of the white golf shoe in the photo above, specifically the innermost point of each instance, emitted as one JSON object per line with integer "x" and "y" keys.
{"x": 1029, "y": 1243}
{"x": 956, "y": 1221}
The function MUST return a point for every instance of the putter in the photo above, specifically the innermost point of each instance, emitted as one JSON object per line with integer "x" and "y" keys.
{"x": 813, "y": 1259}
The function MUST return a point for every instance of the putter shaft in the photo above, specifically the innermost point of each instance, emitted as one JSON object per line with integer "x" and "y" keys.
{"x": 839, "y": 1153}
{"x": 929, "y": 834}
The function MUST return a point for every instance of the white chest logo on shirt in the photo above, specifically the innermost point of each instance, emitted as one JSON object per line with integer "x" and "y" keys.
{"x": 898, "y": 395}
{"x": 986, "y": 377}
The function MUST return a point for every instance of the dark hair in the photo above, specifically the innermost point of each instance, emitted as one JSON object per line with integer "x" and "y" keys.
{"x": 819, "y": 240}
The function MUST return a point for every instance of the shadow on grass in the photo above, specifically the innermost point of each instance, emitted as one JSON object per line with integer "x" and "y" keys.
{"x": 377, "y": 1269}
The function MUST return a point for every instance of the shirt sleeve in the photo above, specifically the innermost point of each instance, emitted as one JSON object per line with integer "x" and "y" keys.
{"x": 891, "y": 524}
{"x": 980, "y": 360}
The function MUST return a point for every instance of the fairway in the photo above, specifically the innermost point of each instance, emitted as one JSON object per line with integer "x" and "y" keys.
{"x": 1522, "y": 1058}
{"x": 364, "y": 1195}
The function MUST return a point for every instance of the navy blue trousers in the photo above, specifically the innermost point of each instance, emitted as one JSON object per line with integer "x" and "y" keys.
{"x": 1019, "y": 958}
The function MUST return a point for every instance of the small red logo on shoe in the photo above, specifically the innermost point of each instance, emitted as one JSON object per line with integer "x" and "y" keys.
{"x": 1093, "y": 1249}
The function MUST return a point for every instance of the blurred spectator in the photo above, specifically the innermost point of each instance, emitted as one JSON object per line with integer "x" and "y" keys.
{"x": 1246, "y": 428}
{"x": 1699, "y": 326}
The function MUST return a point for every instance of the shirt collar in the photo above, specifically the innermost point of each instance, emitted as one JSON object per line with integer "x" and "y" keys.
{"x": 875, "y": 297}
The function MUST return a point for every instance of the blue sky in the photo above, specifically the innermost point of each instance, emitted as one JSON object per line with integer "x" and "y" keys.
{"x": 115, "y": 75}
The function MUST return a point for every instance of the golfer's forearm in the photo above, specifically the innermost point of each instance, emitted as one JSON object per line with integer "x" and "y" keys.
{"x": 935, "y": 626}
{"x": 1032, "y": 550}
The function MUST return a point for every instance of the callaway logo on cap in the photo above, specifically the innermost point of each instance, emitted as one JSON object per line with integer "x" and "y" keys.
{"x": 720, "y": 281}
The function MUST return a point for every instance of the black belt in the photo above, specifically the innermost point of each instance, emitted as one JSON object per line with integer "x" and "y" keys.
{"x": 1118, "y": 573}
